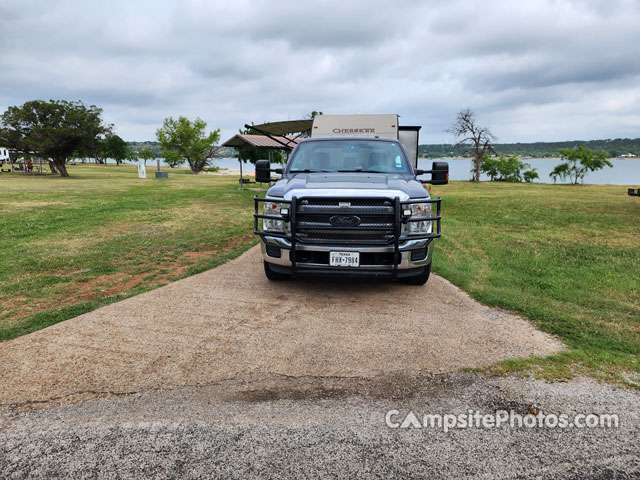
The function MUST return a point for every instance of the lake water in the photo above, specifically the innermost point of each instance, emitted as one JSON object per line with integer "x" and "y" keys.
{"x": 624, "y": 171}
{"x": 230, "y": 163}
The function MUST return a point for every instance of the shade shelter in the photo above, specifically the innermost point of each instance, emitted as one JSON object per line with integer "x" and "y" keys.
{"x": 272, "y": 136}
{"x": 260, "y": 141}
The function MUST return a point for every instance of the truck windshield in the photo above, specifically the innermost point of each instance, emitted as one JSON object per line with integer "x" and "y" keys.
{"x": 349, "y": 156}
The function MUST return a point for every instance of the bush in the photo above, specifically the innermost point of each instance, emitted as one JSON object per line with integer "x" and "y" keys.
{"x": 507, "y": 169}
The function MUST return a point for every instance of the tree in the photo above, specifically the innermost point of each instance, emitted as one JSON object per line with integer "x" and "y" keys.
{"x": 312, "y": 115}
{"x": 94, "y": 144}
{"x": 577, "y": 162}
{"x": 145, "y": 155}
{"x": 530, "y": 175}
{"x": 53, "y": 130}
{"x": 478, "y": 140}
{"x": 131, "y": 155}
{"x": 251, "y": 154}
{"x": 507, "y": 169}
{"x": 116, "y": 148}
{"x": 490, "y": 166}
{"x": 185, "y": 139}
{"x": 172, "y": 159}
{"x": 77, "y": 155}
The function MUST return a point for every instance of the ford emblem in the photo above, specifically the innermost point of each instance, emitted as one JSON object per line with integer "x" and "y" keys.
{"x": 344, "y": 221}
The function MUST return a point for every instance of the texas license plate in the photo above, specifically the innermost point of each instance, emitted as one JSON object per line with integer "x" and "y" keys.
{"x": 344, "y": 259}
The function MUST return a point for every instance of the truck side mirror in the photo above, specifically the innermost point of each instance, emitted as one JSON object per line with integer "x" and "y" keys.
{"x": 439, "y": 173}
{"x": 263, "y": 171}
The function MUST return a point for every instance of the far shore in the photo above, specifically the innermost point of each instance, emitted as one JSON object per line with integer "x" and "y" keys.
{"x": 226, "y": 171}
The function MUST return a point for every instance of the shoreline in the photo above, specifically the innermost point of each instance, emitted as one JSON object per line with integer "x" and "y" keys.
{"x": 228, "y": 171}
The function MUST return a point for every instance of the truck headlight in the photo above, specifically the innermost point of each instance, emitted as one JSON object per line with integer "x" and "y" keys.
{"x": 420, "y": 209}
{"x": 423, "y": 226}
{"x": 271, "y": 225}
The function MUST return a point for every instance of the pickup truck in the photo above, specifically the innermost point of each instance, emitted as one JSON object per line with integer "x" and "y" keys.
{"x": 348, "y": 206}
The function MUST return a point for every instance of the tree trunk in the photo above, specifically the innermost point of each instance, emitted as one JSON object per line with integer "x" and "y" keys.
{"x": 53, "y": 168}
{"x": 193, "y": 166}
{"x": 63, "y": 170}
{"x": 61, "y": 165}
{"x": 476, "y": 168}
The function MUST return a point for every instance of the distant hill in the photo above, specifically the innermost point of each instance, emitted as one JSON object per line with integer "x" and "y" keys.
{"x": 223, "y": 152}
{"x": 613, "y": 148}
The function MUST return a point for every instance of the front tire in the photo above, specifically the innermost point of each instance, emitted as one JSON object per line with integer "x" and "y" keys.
{"x": 419, "y": 279}
{"x": 271, "y": 275}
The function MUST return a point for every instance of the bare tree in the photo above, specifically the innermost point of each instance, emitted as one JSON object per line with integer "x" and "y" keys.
{"x": 478, "y": 140}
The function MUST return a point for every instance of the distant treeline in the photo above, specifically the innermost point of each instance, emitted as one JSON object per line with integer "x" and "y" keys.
{"x": 222, "y": 152}
{"x": 613, "y": 148}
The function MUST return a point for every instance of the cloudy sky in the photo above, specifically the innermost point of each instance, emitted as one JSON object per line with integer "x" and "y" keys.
{"x": 532, "y": 70}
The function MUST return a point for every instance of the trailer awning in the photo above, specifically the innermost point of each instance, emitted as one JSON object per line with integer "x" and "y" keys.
{"x": 260, "y": 141}
{"x": 288, "y": 127}
{"x": 276, "y": 135}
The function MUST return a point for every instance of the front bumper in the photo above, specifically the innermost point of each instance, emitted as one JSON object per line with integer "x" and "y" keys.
{"x": 412, "y": 257}
{"x": 396, "y": 254}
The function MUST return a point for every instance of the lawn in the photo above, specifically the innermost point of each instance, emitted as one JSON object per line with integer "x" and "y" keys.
{"x": 70, "y": 245}
{"x": 566, "y": 257}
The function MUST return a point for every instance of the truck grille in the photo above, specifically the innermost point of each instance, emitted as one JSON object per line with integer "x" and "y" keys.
{"x": 373, "y": 222}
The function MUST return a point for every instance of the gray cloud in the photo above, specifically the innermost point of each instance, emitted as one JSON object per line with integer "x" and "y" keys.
{"x": 539, "y": 70}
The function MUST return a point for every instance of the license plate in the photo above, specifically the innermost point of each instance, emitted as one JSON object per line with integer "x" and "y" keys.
{"x": 344, "y": 259}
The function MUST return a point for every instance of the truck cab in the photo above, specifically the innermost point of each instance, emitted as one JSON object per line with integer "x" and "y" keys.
{"x": 348, "y": 206}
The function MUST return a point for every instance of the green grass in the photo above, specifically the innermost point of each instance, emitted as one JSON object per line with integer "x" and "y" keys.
{"x": 566, "y": 257}
{"x": 70, "y": 245}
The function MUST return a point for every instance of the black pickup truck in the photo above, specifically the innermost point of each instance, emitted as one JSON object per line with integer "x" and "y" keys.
{"x": 348, "y": 206}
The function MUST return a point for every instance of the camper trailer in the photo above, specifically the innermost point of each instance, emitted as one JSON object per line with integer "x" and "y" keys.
{"x": 349, "y": 203}
{"x": 382, "y": 126}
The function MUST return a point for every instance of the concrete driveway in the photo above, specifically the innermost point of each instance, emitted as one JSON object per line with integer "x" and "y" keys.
{"x": 226, "y": 375}
{"x": 231, "y": 326}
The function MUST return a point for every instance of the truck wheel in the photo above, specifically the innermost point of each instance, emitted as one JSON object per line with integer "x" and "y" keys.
{"x": 420, "y": 279}
{"x": 271, "y": 275}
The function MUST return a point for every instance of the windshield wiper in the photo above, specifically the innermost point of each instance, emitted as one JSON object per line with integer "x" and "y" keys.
{"x": 309, "y": 170}
{"x": 359, "y": 170}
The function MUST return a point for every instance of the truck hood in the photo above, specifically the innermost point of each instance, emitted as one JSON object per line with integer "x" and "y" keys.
{"x": 348, "y": 185}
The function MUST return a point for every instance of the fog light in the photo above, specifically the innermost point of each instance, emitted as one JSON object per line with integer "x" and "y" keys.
{"x": 273, "y": 225}
{"x": 419, "y": 254}
{"x": 273, "y": 251}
